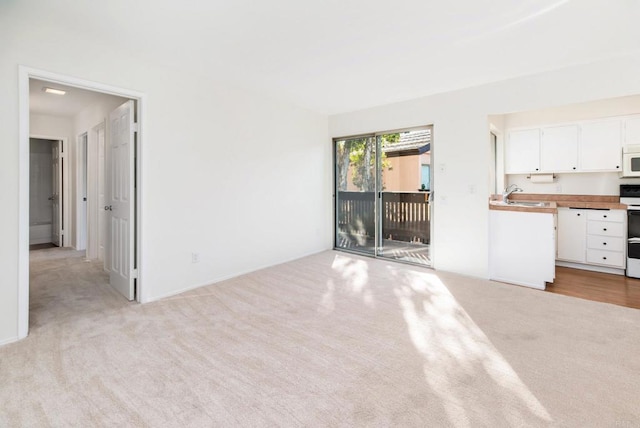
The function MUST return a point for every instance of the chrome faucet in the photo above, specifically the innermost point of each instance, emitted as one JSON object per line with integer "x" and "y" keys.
{"x": 513, "y": 188}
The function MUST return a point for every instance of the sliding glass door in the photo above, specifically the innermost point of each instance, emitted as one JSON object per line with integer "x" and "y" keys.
{"x": 355, "y": 206}
{"x": 383, "y": 187}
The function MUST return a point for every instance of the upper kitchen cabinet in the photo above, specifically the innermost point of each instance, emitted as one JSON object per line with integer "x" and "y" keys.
{"x": 600, "y": 145}
{"x": 522, "y": 151}
{"x": 559, "y": 149}
{"x": 632, "y": 130}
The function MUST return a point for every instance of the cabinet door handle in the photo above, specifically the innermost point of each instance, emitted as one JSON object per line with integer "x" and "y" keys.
{"x": 604, "y": 258}
{"x": 605, "y": 229}
{"x": 604, "y": 243}
{"x": 578, "y": 214}
{"x": 605, "y": 216}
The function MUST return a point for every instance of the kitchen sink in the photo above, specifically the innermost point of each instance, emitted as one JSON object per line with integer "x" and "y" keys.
{"x": 527, "y": 203}
{"x": 523, "y": 204}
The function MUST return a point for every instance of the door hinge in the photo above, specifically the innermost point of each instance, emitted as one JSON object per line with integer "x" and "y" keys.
{"x": 134, "y": 274}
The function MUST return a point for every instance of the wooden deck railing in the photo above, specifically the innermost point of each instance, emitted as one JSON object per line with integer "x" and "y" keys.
{"x": 356, "y": 213}
{"x": 405, "y": 215}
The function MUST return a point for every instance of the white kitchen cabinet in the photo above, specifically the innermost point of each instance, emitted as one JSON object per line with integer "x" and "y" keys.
{"x": 632, "y": 130}
{"x": 601, "y": 146}
{"x": 559, "y": 149}
{"x": 585, "y": 146}
{"x": 572, "y": 235}
{"x": 606, "y": 233}
{"x": 522, "y": 151}
{"x": 605, "y": 229}
{"x": 612, "y": 216}
{"x": 592, "y": 237}
{"x": 522, "y": 248}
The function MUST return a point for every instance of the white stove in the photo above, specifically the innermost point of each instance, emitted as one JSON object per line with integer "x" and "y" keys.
{"x": 630, "y": 195}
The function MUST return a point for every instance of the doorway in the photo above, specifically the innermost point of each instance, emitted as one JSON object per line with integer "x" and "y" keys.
{"x": 383, "y": 186}
{"x": 129, "y": 130}
{"x": 46, "y": 193}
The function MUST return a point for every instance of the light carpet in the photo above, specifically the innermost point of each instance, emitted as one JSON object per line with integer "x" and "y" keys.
{"x": 328, "y": 340}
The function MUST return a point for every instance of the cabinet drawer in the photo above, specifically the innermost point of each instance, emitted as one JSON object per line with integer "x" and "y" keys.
{"x": 607, "y": 258}
{"x": 607, "y": 215}
{"x": 605, "y": 243}
{"x": 605, "y": 228}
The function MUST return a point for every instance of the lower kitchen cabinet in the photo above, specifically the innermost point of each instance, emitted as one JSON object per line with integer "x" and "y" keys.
{"x": 606, "y": 232}
{"x": 522, "y": 248}
{"x": 592, "y": 237}
{"x": 572, "y": 235}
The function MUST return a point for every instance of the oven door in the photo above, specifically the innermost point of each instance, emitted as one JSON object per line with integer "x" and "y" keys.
{"x": 631, "y": 165}
{"x": 633, "y": 234}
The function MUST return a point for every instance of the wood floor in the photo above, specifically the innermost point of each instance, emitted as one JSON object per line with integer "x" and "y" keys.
{"x": 601, "y": 287}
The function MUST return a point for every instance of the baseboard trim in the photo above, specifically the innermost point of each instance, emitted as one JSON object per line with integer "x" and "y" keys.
{"x": 9, "y": 340}
{"x": 591, "y": 268}
{"x": 536, "y": 286}
{"x": 226, "y": 277}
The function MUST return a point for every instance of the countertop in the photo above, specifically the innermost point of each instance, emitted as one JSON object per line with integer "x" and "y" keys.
{"x": 555, "y": 201}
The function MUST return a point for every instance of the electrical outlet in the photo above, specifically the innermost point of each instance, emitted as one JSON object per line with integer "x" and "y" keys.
{"x": 195, "y": 257}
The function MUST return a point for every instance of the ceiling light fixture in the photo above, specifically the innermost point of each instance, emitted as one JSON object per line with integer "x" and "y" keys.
{"x": 54, "y": 91}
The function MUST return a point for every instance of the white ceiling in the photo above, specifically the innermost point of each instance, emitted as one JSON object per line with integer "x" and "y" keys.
{"x": 341, "y": 55}
{"x": 67, "y": 105}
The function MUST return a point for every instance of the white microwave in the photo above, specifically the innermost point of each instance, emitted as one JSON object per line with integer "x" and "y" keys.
{"x": 631, "y": 161}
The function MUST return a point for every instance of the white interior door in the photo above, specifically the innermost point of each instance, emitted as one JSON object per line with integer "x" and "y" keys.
{"x": 102, "y": 224}
{"x": 92, "y": 195}
{"x": 122, "y": 199}
{"x": 56, "y": 197}
{"x": 81, "y": 240}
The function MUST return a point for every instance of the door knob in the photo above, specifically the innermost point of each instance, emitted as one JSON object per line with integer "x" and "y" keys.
{"x": 108, "y": 208}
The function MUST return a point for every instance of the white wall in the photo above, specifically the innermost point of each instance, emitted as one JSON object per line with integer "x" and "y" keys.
{"x": 617, "y": 106}
{"x": 50, "y": 126}
{"x": 604, "y": 183}
{"x": 461, "y": 149}
{"x": 240, "y": 178}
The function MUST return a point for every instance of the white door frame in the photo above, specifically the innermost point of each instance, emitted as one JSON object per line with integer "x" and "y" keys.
{"x": 66, "y": 218}
{"x": 92, "y": 206}
{"x": 81, "y": 192}
{"x": 93, "y": 182}
{"x": 24, "y": 74}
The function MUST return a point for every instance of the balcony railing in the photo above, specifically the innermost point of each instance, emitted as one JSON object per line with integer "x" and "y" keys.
{"x": 405, "y": 215}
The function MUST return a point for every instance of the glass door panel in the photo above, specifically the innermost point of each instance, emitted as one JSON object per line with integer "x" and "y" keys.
{"x": 355, "y": 177}
{"x": 395, "y": 167}
{"x": 405, "y": 182}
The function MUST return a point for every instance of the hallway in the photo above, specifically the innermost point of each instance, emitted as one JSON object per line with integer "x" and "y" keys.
{"x": 65, "y": 288}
